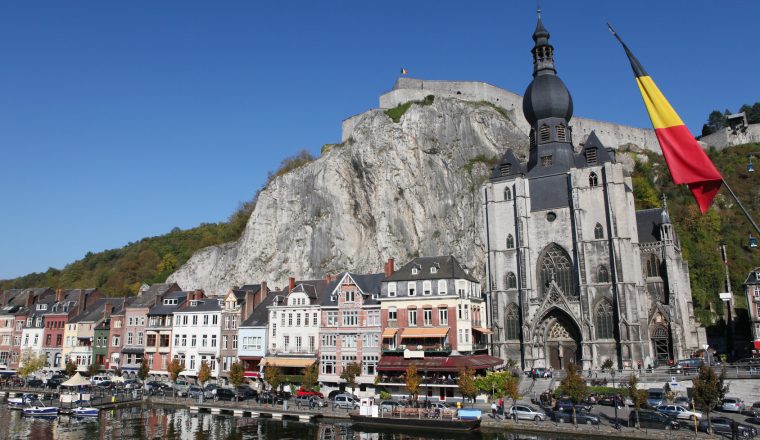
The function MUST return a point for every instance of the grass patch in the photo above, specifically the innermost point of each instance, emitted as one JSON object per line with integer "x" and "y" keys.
{"x": 501, "y": 110}
{"x": 489, "y": 162}
{"x": 397, "y": 112}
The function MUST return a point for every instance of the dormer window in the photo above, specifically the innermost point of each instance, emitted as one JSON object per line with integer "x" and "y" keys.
{"x": 332, "y": 297}
{"x": 591, "y": 156}
{"x": 41, "y": 306}
{"x": 433, "y": 269}
{"x": 170, "y": 302}
{"x": 193, "y": 303}
{"x": 391, "y": 289}
{"x": 415, "y": 271}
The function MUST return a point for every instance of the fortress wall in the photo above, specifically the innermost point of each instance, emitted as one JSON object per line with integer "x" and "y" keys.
{"x": 614, "y": 135}
{"x": 726, "y": 138}
{"x": 348, "y": 125}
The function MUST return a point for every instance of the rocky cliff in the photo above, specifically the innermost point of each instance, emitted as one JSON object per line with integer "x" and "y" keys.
{"x": 391, "y": 189}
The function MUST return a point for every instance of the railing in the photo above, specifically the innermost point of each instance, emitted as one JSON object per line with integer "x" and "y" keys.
{"x": 430, "y": 348}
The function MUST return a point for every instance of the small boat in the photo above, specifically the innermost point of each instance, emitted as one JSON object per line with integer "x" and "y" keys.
{"x": 41, "y": 411}
{"x": 371, "y": 414}
{"x": 85, "y": 411}
{"x": 23, "y": 401}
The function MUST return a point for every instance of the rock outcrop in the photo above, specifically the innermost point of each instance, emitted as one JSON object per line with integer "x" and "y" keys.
{"x": 391, "y": 189}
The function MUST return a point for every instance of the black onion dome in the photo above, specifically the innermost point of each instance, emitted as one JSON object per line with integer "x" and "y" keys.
{"x": 547, "y": 97}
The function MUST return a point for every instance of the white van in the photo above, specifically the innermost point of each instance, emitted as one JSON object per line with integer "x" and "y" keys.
{"x": 99, "y": 378}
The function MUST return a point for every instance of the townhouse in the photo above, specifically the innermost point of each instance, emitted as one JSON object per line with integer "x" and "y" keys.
{"x": 55, "y": 320}
{"x": 85, "y": 301}
{"x": 197, "y": 333}
{"x": 84, "y": 353}
{"x": 350, "y": 330}
{"x": 433, "y": 315}
{"x": 11, "y": 301}
{"x": 252, "y": 337}
{"x": 239, "y": 304}
{"x": 159, "y": 331}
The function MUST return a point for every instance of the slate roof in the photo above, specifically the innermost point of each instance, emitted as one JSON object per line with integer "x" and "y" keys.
{"x": 648, "y": 222}
{"x": 752, "y": 278}
{"x": 369, "y": 284}
{"x": 94, "y": 312}
{"x": 600, "y": 156}
{"x": 260, "y": 315}
{"x": 166, "y": 309}
{"x": 314, "y": 289}
{"x": 208, "y": 304}
{"x": 447, "y": 268}
{"x": 509, "y": 166}
{"x": 149, "y": 296}
{"x": 240, "y": 293}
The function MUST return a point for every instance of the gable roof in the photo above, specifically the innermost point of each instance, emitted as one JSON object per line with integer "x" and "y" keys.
{"x": 592, "y": 150}
{"x": 369, "y": 284}
{"x": 752, "y": 278}
{"x": 260, "y": 315}
{"x": 447, "y": 268}
{"x": 149, "y": 296}
{"x": 648, "y": 222}
{"x": 167, "y": 309}
{"x": 314, "y": 289}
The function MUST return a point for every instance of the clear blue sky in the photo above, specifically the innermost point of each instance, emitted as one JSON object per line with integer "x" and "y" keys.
{"x": 120, "y": 120}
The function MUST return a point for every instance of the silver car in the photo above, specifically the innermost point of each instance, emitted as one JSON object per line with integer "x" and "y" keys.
{"x": 679, "y": 412}
{"x": 526, "y": 412}
{"x": 732, "y": 404}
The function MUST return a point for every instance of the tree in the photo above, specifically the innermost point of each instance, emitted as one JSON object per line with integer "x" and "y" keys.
{"x": 349, "y": 374}
{"x": 310, "y": 377}
{"x": 117, "y": 372}
{"x": 574, "y": 386}
{"x": 30, "y": 363}
{"x": 175, "y": 368}
{"x": 273, "y": 376}
{"x": 413, "y": 381}
{"x": 144, "y": 369}
{"x": 638, "y": 397}
{"x": 70, "y": 369}
{"x": 512, "y": 389}
{"x": 237, "y": 374}
{"x": 708, "y": 390}
{"x": 493, "y": 382}
{"x": 93, "y": 369}
{"x": 204, "y": 373}
{"x": 715, "y": 121}
{"x": 466, "y": 383}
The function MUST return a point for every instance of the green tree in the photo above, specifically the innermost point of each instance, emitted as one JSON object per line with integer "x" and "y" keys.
{"x": 310, "y": 377}
{"x": 493, "y": 382}
{"x": 273, "y": 376}
{"x": 574, "y": 386}
{"x": 204, "y": 373}
{"x": 413, "y": 381}
{"x": 70, "y": 369}
{"x": 30, "y": 363}
{"x": 466, "y": 383}
{"x": 638, "y": 397}
{"x": 237, "y": 374}
{"x": 144, "y": 369}
{"x": 708, "y": 390}
{"x": 168, "y": 264}
{"x": 349, "y": 374}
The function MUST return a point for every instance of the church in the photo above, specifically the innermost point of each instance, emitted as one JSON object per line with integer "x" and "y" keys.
{"x": 575, "y": 273}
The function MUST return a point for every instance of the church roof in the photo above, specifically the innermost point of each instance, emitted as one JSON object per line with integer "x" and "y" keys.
{"x": 509, "y": 165}
{"x": 648, "y": 222}
{"x": 593, "y": 153}
{"x": 753, "y": 277}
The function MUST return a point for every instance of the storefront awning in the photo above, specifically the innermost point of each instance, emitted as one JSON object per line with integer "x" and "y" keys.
{"x": 252, "y": 374}
{"x": 438, "y": 332}
{"x": 449, "y": 364}
{"x": 249, "y": 358}
{"x": 485, "y": 331}
{"x": 389, "y": 332}
{"x": 133, "y": 350}
{"x": 288, "y": 362}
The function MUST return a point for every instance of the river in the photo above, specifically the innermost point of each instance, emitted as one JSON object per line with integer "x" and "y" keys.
{"x": 166, "y": 423}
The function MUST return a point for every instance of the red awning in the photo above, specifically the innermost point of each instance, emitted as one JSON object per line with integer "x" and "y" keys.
{"x": 251, "y": 374}
{"x": 757, "y": 345}
{"x": 450, "y": 364}
{"x": 249, "y": 358}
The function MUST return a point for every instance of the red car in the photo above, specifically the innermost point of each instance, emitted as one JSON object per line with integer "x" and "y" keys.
{"x": 303, "y": 392}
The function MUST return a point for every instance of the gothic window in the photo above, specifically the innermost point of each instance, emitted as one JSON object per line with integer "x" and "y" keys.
{"x": 603, "y": 320}
{"x": 511, "y": 281}
{"x": 653, "y": 266}
{"x": 598, "y": 231}
{"x": 544, "y": 133}
{"x": 507, "y": 193}
{"x": 555, "y": 265}
{"x": 510, "y": 242}
{"x": 513, "y": 323}
{"x": 558, "y": 331}
{"x": 561, "y": 133}
{"x": 602, "y": 275}
{"x": 593, "y": 180}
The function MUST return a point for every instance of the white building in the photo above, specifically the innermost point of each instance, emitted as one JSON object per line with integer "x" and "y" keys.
{"x": 197, "y": 332}
{"x": 31, "y": 336}
{"x": 252, "y": 337}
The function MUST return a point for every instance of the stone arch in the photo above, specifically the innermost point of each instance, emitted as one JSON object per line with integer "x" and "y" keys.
{"x": 604, "y": 320}
{"x": 507, "y": 193}
{"x": 557, "y": 339}
{"x": 510, "y": 281}
{"x": 593, "y": 179}
{"x": 555, "y": 264}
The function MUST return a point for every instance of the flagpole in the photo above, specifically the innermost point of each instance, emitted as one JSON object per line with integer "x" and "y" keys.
{"x": 744, "y": 210}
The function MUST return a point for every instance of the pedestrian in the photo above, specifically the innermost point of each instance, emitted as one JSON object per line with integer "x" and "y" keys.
{"x": 493, "y": 410}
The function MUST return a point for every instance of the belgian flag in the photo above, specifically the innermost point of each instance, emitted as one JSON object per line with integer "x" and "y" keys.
{"x": 688, "y": 163}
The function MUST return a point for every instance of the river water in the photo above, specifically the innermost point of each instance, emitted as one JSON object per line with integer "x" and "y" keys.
{"x": 165, "y": 423}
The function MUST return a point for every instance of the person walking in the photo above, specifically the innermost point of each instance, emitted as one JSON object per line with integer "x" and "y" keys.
{"x": 493, "y": 410}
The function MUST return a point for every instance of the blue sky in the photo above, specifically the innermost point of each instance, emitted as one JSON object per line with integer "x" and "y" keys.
{"x": 121, "y": 120}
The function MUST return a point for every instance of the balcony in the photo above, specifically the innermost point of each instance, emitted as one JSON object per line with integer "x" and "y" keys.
{"x": 427, "y": 348}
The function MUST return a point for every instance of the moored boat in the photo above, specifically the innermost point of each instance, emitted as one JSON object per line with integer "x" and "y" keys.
{"x": 40, "y": 411}
{"x": 371, "y": 414}
{"x": 85, "y": 411}
{"x": 23, "y": 401}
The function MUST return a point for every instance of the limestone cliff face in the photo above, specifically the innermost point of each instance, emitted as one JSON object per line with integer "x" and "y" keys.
{"x": 391, "y": 190}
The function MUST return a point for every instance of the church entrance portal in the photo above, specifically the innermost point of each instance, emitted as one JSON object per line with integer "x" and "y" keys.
{"x": 561, "y": 341}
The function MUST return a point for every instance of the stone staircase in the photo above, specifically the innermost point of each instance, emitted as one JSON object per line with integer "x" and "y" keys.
{"x": 530, "y": 388}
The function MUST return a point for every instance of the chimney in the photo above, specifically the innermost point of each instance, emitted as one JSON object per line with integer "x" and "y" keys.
{"x": 30, "y": 299}
{"x": 59, "y": 295}
{"x": 264, "y": 289}
{"x": 82, "y": 303}
{"x": 389, "y": 267}
{"x": 291, "y": 284}
{"x": 108, "y": 309}
{"x": 198, "y": 294}
{"x": 328, "y": 278}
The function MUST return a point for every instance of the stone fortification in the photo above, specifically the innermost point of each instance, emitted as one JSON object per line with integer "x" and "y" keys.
{"x": 727, "y": 137}
{"x": 411, "y": 89}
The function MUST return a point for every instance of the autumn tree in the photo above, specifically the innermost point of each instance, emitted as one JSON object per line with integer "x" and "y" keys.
{"x": 273, "y": 376}
{"x": 144, "y": 369}
{"x": 413, "y": 381}
{"x": 349, "y": 374}
{"x": 493, "y": 382}
{"x": 574, "y": 386}
{"x": 638, "y": 397}
{"x": 204, "y": 373}
{"x": 70, "y": 369}
{"x": 708, "y": 390}
{"x": 237, "y": 374}
{"x": 310, "y": 377}
{"x": 175, "y": 368}
{"x": 466, "y": 383}
{"x": 30, "y": 363}
{"x": 512, "y": 389}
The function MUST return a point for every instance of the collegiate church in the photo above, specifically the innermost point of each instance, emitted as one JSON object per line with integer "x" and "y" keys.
{"x": 576, "y": 273}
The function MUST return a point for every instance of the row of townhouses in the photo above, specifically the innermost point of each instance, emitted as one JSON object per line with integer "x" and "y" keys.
{"x": 430, "y": 312}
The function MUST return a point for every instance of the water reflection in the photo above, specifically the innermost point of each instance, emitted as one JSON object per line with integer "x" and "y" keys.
{"x": 163, "y": 423}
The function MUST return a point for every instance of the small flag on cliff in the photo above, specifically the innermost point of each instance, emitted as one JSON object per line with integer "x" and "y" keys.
{"x": 404, "y": 71}
{"x": 686, "y": 160}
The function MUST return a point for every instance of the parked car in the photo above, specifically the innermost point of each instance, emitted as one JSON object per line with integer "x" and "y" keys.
{"x": 98, "y": 378}
{"x": 752, "y": 411}
{"x": 310, "y": 401}
{"x": 438, "y": 405}
{"x": 345, "y": 401}
{"x": 652, "y": 419}
{"x": 270, "y": 398}
{"x": 679, "y": 412}
{"x": 104, "y": 384}
{"x": 181, "y": 387}
{"x": 722, "y": 425}
{"x": 581, "y": 417}
{"x": 390, "y": 405}
{"x": 655, "y": 397}
{"x": 245, "y": 392}
{"x": 54, "y": 382}
{"x": 682, "y": 401}
{"x": 732, "y": 404}
{"x": 194, "y": 391}
{"x": 304, "y": 392}
{"x": 611, "y": 401}
{"x": 131, "y": 384}
{"x": 209, "y": 390}
{"x": 526, "y": 412}
{"x": 224, "y": 394}
{"x": 34, "y": 383}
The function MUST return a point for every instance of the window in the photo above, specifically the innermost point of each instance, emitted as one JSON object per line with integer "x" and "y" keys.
{"x": 290, "y": 320}
{"x": 164, "y": 341}
{"x": 598, "y": 231}
{"x": 193, "y": 341}
{"x": 373, "y": 318}
{"x": 591, "y": 156}
{"x": 391, "y": 289}
{"x": 427, "y": 287}
{"x": 555, "y": 266}
{"x": 412, "y": 317}
{"x": 213, "y": 340}
{"x": 603, "y": 276}
{"x": 513, "y": 323}
{"x": 152, "y": 340}
{"x": 427, "y": 317}
{"x": 433, "y": 269}
{"x": 286, "y": 342}
{"x": 561, "y": 133}
{"x": 370, "y": 340}
{"x": 274, "y": 329}
{"x": 332, "y": 319}
{"x": 129, "y": 338}
{"x": 443, "y": 316}
{"x": 410, "y": 288}
{"x": 195, "y": 319}
{"x": 544, "y": 133}
{"x": 507, "y": 193}
{"x": 234, "y": 342}
{"x": 546, "y": 161}
{"x": 226, "y": 322}
{"x": 603, "y": 320}
{"x": 298, "y": 319}
{"x": 192, "y": 362}
{"x": 328, "y": 364}
{"x": 348, "y": 341}
{"x": 653, "y": 266}
{"x": 139, "y": 338}
{"x": 415, "y": 271}
{"x": 510, "y": 242}
{"x": 593, "y": 180}
{"x": 115, "y": 341}
{"x": 391, "y": 314}
{"x": 442, "y": 287}
{"x": 298, "y": 343}
{"x": 349, "y": 296}
{"x": 351, "y": 319}
{"x": 184, "y": 340}
{"x": 369, "y": 365}
{"x": 204, "y": 341}
{"x": 511, "y": 281}
{"x": 329, "y": 340}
